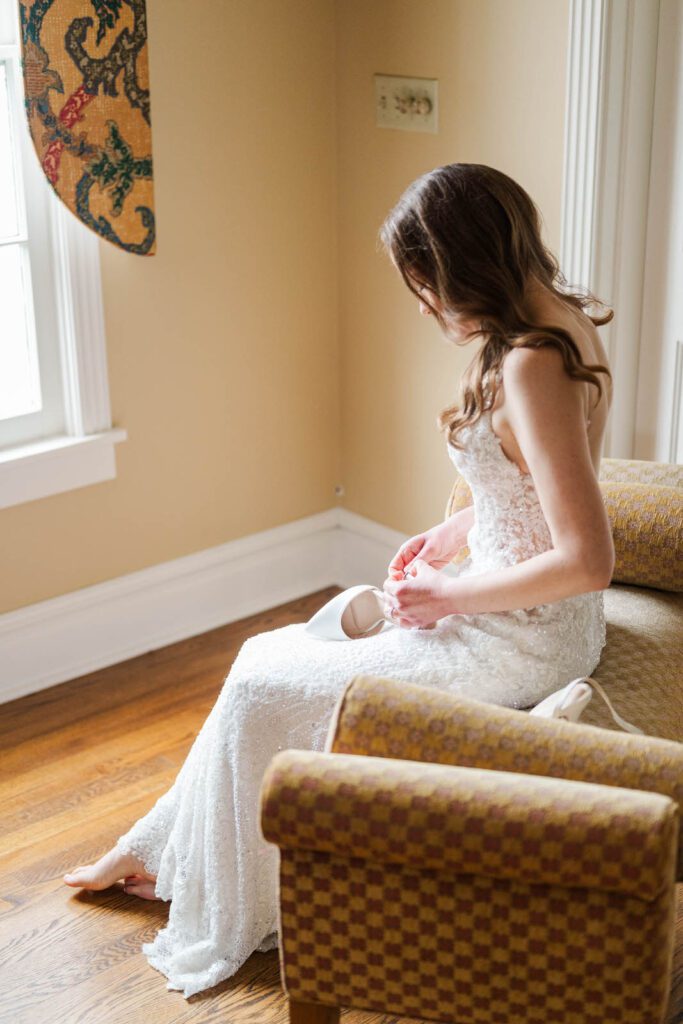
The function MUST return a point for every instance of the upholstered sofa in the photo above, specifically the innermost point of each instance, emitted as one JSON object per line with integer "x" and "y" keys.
{"x": 455, "y": 861}
{"x": 462, "y": 862}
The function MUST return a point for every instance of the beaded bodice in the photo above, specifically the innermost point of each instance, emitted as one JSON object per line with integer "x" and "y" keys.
{"x": 510, "y": 527}
{"x": 509, "y": 522}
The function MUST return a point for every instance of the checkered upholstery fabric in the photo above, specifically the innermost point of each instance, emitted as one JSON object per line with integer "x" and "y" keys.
{"x": 472, "y": 821}
{"x": 379, "y": 717}
{"x": 644, "y": 502}
{"x": 468, "y": 949}
{"x": 675, "y": 1015}
{"x": 470, "y": 896}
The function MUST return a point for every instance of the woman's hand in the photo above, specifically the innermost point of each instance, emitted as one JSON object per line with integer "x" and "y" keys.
{"x": 420, "y": 599}
{"x": 436, "y": 546}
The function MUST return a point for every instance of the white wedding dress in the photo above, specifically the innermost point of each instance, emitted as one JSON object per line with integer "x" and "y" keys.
{"x": 202, "y": 838}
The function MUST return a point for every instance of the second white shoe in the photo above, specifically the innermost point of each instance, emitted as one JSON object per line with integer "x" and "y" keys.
{"x": 572, "y": 699}
{"x": 569, "y": 702}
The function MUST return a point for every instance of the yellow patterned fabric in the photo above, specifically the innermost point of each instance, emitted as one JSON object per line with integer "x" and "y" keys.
{"x": 647, "y": 527}
{"x": 379, "y": 717}
{"x": 468, "y": 949}
{"x": 86, "y": 93}
{"x": 640, "y": 471}
{"x": 459, "y": 894}
{"x": 459, "y": 498}
{"x": 472, "y": 821}
{"x": 641, "y": 666}
{"x": 675, "y": 1015}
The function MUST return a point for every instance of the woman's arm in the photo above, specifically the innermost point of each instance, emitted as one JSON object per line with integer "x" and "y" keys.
{"x": 545, "y": 411}
{"x": 437, "y": 546}
{"x": 460, "y": 523}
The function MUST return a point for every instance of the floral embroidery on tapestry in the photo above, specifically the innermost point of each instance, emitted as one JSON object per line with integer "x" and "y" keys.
{"x": 86, "y": 90}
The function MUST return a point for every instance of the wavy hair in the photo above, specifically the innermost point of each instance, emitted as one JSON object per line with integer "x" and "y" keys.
{"x": 472, "y": 236}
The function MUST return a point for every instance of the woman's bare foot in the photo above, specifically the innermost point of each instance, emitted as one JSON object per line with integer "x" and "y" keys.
{"x": 136, "y": 885}
{"x": 109, "y": 869}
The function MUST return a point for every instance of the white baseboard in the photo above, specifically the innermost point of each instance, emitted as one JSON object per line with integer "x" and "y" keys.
{"x": 68, "y": 636}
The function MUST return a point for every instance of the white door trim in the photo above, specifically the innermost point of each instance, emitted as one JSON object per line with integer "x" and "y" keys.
{"x": 659, "y": 424}
{"x": 584, "y": 67}
{"x": 608, "y": 136}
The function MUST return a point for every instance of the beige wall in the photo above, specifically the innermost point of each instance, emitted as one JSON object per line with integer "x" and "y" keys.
{"x": 501, "y": 69}
{"x": 267, "y": 311}
{"x": 222, "y": 347}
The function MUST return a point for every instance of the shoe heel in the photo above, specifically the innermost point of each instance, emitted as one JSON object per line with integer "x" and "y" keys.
{"x": 351, "y": 615}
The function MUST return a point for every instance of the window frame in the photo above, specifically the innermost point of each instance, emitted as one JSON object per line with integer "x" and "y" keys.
{"x": 82, "y": 452}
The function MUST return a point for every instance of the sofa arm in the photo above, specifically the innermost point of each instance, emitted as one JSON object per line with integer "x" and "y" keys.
{"x": 469, "y": 821}
{"x": 380, "y": 717}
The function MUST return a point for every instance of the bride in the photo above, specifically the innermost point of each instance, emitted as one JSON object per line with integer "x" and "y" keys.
{"x": 521, "y": 616}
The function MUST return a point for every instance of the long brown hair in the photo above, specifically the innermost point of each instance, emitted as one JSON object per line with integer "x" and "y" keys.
{"x": 472, "y": 235}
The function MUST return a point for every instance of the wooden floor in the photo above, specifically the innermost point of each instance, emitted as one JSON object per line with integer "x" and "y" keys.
{"x": 80, "y": 762}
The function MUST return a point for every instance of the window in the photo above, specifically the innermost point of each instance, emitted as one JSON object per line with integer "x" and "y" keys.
{"x": 31, "y": 398}
{"x": 55, "y": 421}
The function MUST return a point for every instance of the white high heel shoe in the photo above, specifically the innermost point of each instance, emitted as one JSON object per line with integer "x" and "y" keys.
{"x": 355, "y": 613}
{"x": 570, "y": 702}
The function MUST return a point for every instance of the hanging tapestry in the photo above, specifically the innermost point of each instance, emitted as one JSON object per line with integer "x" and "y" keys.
{"x": 86, "y": 87}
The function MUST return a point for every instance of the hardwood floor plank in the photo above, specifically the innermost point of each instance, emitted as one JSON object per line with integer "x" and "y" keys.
{"x": 125, "y": 993}
{"x": 75, "y": 832}
{"x": 98, "y": 807}
{"x": 55, "y": 797}
{"x": 39, "y": 978}
{"x": 48, "y": 749}
{"x": 72, "y": 771}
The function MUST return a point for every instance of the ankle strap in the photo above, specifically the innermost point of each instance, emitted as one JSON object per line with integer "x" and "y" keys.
{"x": 621, "y": 722}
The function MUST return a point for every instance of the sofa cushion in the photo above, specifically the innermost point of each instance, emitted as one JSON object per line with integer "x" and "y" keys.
{"x": 663, "y": 474}
{"x": 647, "y": 527}
{"x": 641, "y": 665}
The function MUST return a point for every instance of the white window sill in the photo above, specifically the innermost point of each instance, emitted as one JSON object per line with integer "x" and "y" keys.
{"x": 55, "y": 465}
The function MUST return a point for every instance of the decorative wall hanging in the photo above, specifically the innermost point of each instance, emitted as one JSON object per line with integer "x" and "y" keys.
{"x": 86, "y": 81}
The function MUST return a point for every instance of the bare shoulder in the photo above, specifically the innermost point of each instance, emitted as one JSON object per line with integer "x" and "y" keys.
{"x": 523, "y": 359}
{"x": 534, "y": 369}
{"x": 537, "y": 393}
